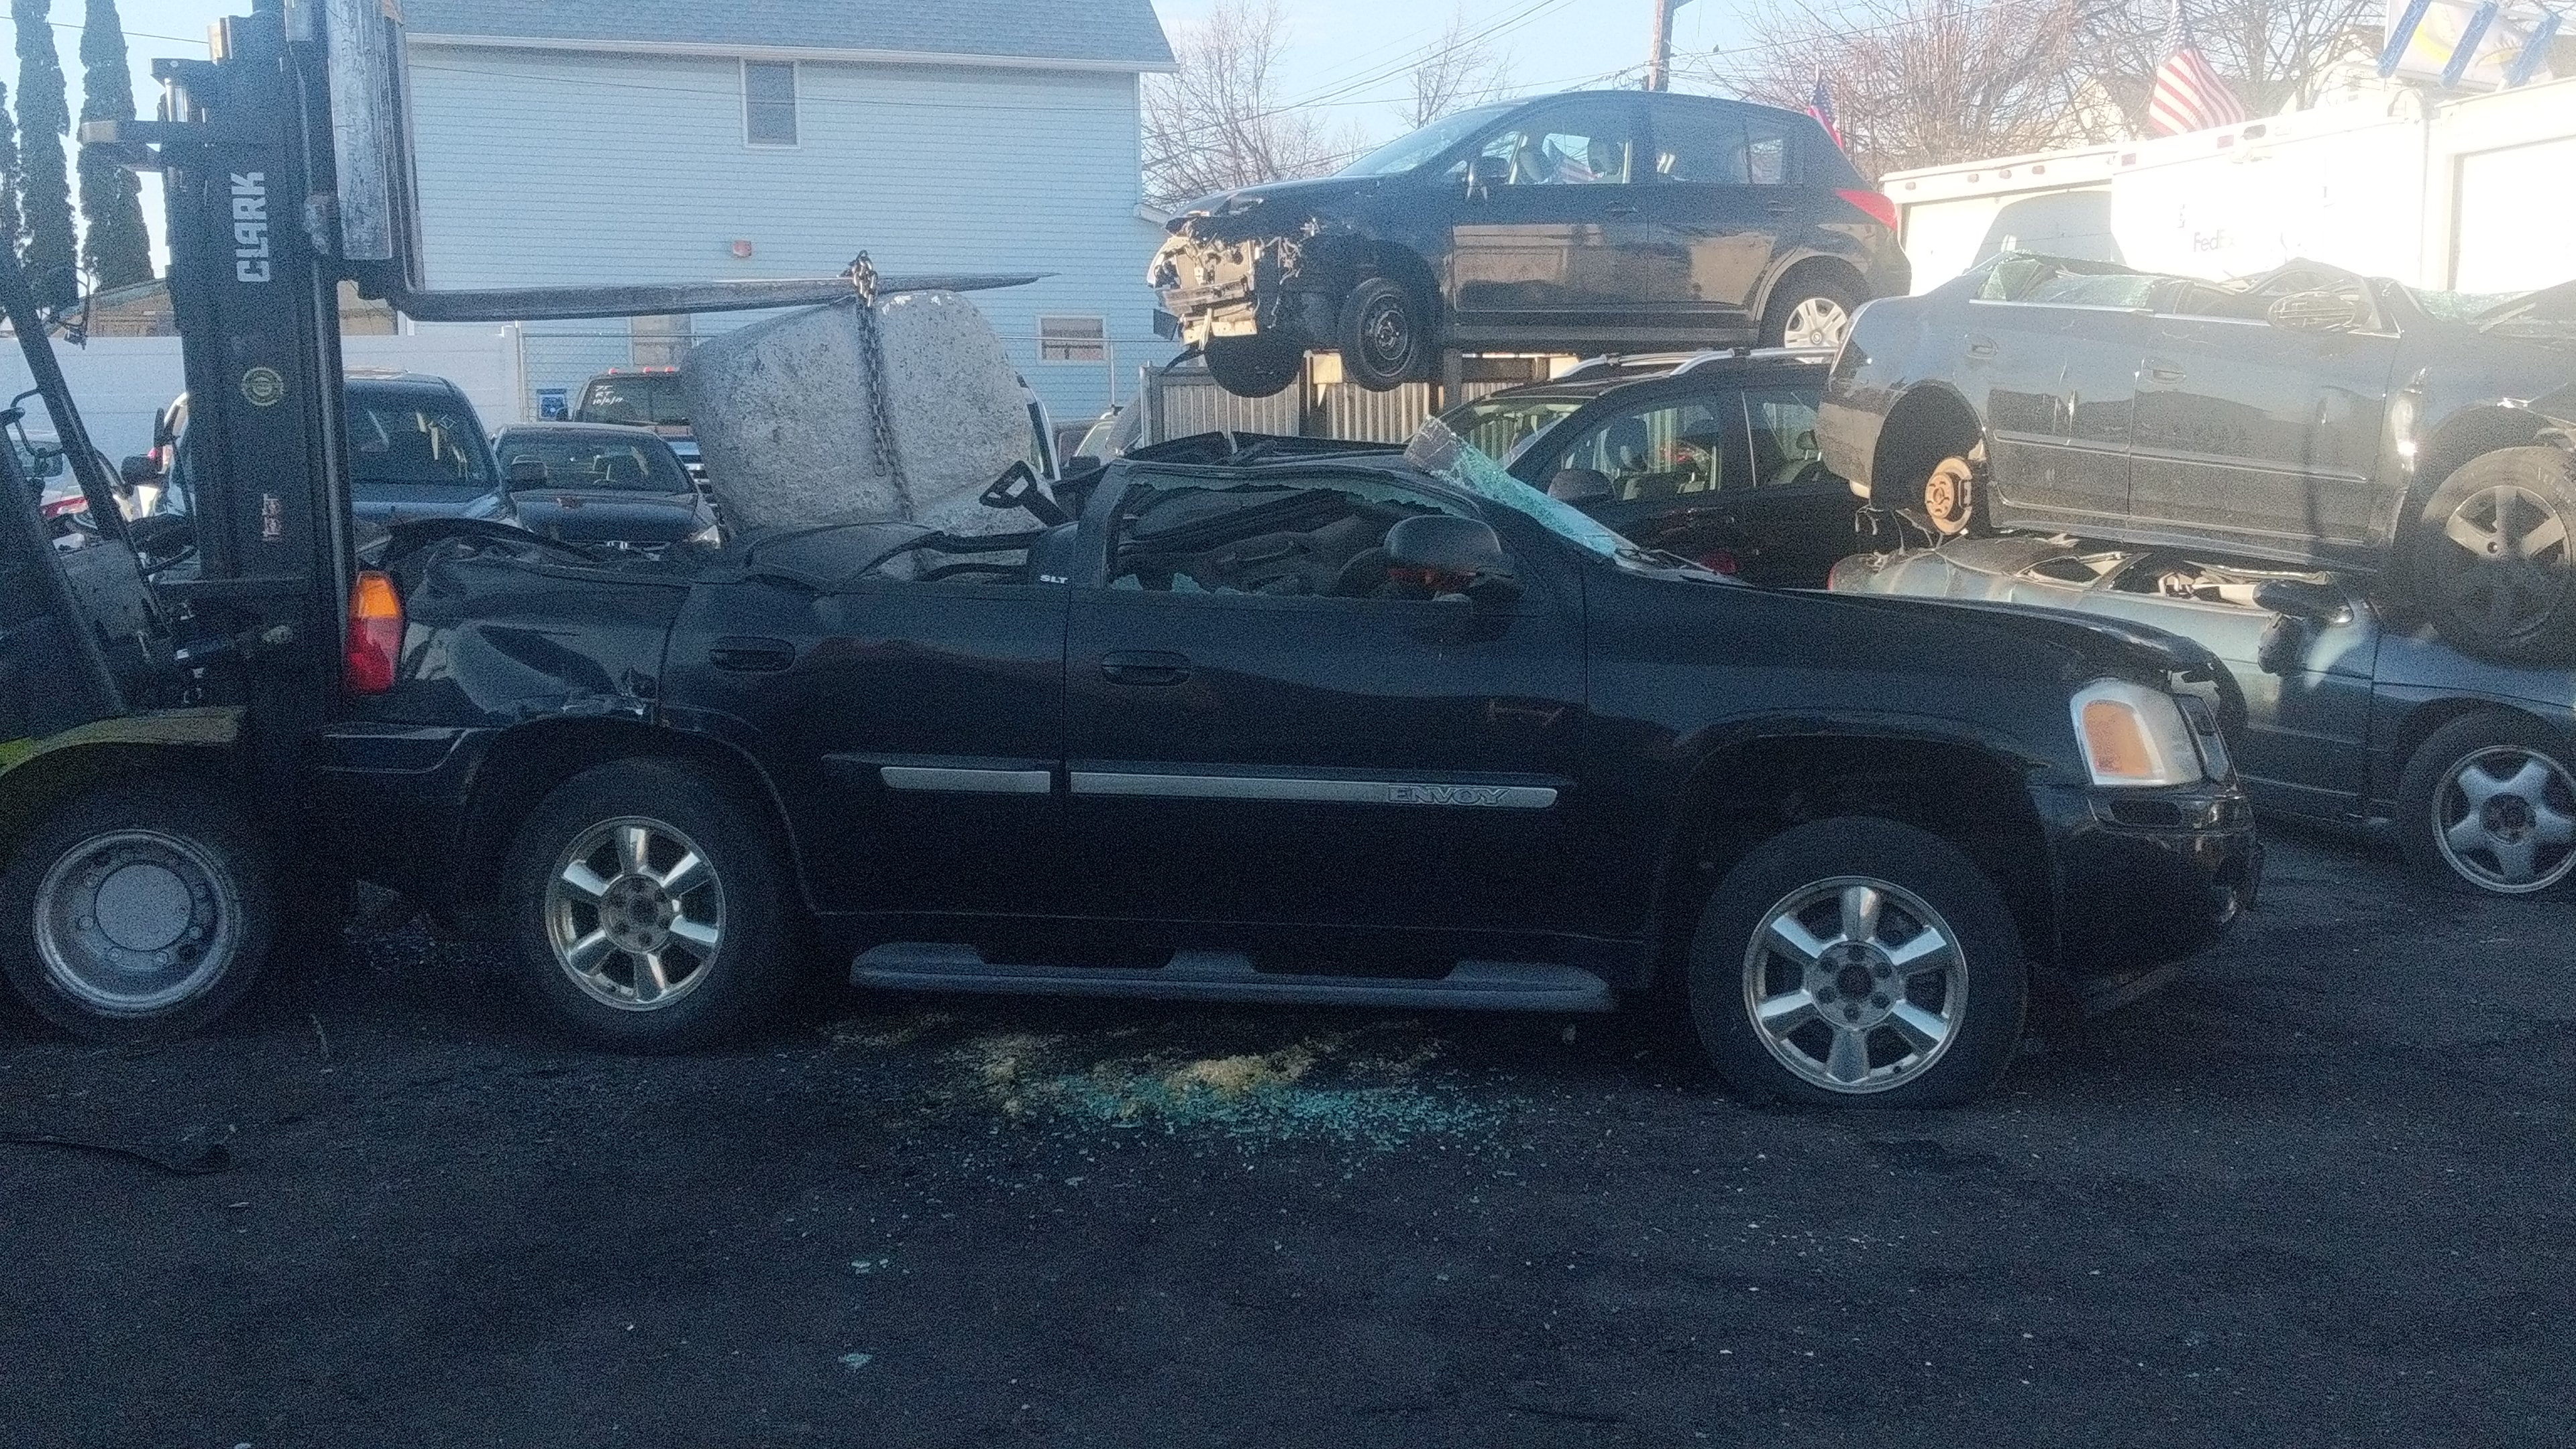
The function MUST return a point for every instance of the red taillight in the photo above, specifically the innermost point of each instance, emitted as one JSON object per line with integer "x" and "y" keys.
{"x": 375, "y": 635}
{"x": 1878, "y": 204}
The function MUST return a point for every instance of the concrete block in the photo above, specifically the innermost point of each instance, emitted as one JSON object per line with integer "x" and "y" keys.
{"x": 781, "y": 410}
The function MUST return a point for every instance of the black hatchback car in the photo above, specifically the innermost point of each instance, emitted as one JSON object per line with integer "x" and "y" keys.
{"x": 1708, "y": 455}
{"x": 1581, "y": 222}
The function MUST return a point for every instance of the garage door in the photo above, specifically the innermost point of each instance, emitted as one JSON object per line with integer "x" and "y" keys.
{"x": 2516, "y": 213}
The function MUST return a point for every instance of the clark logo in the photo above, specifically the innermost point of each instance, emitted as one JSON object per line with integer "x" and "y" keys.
{"x": 1445, "y": 795}
{"x": 250, "y": 227}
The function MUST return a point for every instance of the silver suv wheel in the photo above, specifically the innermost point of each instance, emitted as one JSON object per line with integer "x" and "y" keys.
{"x": 1855, "y": 984}
{"x": 635, "y": 914}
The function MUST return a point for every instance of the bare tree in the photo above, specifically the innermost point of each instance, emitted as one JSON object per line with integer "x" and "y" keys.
{"x": 2273, "y": 53}
{"x": 1221, "y": 122}
{"x": 1920, "y": 82}
{"x": 1456, "y": 71}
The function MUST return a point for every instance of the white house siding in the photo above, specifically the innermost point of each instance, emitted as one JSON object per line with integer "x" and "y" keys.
{"x": 543, "y": 167}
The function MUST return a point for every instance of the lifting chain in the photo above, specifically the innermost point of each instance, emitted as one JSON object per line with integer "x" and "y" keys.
{"x": 863, "y": 281}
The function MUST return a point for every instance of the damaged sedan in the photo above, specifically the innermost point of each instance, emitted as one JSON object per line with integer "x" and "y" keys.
{"x": 1595, "y": 221}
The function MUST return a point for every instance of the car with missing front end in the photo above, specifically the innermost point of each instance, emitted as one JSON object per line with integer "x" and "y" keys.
{"x": 1583, "y": 222}
{"x": 1263, "y": 721}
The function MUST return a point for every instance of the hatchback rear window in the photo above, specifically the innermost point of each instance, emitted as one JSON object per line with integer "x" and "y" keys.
{"x": 636, "y": 402}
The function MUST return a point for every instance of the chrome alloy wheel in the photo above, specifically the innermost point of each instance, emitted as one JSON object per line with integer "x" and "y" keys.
{"x": 134, "y": 922}
{"x": 1856, "y": 985}
{"x": 1816, "y": 322}
{"x": 635, "y": 914}
{"x": 2505, "y": 820}
{"x": 2508, "y": 560}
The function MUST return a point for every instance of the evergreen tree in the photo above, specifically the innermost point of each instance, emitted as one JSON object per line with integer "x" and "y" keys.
{"x": 44, "y": 178}
{"x": 116, "y": 247}
{"x": 13, "y": 227}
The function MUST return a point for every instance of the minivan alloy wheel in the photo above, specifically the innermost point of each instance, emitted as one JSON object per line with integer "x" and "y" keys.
{"x": 2505, "y": 820}
{"x": 1855, "y": 984}
{"x": 1816, "y": 322}
{"x": 635, "y": 913}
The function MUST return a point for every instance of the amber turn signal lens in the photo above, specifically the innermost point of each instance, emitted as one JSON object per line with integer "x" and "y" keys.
{"x": 374, "y": 647}
{"x": 2116, "y": 740}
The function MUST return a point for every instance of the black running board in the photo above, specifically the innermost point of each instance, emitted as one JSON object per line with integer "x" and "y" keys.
{"x": 1229, "y": 976}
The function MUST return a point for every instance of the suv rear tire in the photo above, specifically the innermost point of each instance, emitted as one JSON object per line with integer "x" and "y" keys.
{"x": 1253, "y": 366}
{"x": 650, "y": 909}
{"x": 138, "y": 911}
{"x": 1859, "y": 963}
{"x": 2475, "y": 568}
{"x": 1384, "y": 337}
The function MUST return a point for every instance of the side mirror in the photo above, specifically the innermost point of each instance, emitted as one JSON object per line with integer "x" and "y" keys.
{"x": 138, "y": 470}
{"x": 1455, "y": 556}
{"x": 1484, "y": 173}
{"x": 2312, "y": 603}
{"x": 527, "y": 473}
{"x": 1581, "y": 487}
{"x": 2321, "y": 312}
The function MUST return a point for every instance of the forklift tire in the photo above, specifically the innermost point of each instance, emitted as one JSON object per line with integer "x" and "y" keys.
{"x": 650, "y": 909}
{"x": 139, "y": 910}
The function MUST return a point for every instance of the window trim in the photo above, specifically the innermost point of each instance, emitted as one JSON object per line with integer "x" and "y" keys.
{"x": 795, "y": 103}
{"x": 1100, "y": 342}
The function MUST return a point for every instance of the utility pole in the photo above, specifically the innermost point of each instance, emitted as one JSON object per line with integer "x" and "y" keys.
{"x": 1659, "y": 60}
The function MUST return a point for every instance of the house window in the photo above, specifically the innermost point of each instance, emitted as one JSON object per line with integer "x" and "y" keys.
{"x": 769, "y": 103}
{"x": 1073, "y": 339}
{"x": 660, "y": 341}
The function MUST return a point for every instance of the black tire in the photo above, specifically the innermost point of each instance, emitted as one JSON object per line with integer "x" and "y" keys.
{"x": 2520, "y": 839}
{"x": 1384, "y": 333}
{"x": 723, "y": 940}
{"x": 1922, "y": 884}
{"x": 1254, "y": 366}
{"x": 2490, "y": 557}
{"x": 191, "y": 884}
{"x": 1791, "y": 301}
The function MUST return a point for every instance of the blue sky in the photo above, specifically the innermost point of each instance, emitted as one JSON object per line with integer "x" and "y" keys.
{"x": 1346, "y": 56}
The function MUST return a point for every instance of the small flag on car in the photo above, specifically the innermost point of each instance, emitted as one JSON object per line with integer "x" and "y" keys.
{"x": 2188, "y": 94}
{"x": 1820, "y": 104}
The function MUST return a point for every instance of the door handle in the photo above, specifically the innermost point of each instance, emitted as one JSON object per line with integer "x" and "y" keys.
{"x": 1779, "y": 208}
{"x": 2165, "y": 372}
{"x": 1144, "y": 668}
{"x": 1981, "y": 347}
{"x": 744, "y": 655}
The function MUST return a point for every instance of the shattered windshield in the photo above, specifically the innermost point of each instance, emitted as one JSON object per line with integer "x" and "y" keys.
{"x": 1406, "y": 152}
{"x": 1439, "y": 451}
{"x": 1501, "y": 427}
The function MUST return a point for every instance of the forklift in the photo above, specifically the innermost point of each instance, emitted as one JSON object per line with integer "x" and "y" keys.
{"x": 161, "y": 687}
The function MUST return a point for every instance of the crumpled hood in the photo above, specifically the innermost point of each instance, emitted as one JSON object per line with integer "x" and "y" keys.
{"x": 579, "y": 517}
{"x": 1275, "y": 204}
{"x": 2109, "y": 646}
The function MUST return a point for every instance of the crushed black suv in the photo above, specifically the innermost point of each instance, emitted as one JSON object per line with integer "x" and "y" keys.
{"x": 1266, "y": 721}
{"x": 1585, "y": 222}
{"x": 1710, "y": 455}
{"x": 2308, "y": 417}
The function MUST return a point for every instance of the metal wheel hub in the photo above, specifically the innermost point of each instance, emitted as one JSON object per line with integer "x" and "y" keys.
{"x": 2505, "y": 820}
{"x": 1816, "y": 322}
{"x": 135, "y": 922}
{"x": 1384, "y": 332}
{"x": 634, "y": 914}
{"x": 2511, "y": 552}
{"x": 1855, "y": 984}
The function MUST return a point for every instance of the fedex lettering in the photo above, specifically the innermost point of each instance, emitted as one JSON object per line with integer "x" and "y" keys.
{"x": 250, "y": 227}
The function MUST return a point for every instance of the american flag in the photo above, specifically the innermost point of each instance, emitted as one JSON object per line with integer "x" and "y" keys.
{"x": 2188, "y": 94}
{"x": 1820, "y": 104}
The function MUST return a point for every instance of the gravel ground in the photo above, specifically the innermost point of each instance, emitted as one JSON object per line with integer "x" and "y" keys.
{"x": 2316, "y": 1193}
